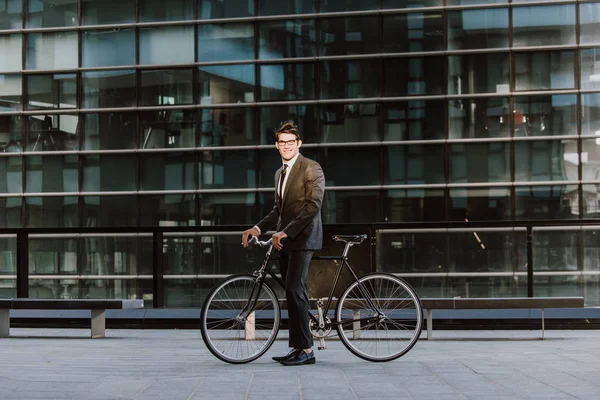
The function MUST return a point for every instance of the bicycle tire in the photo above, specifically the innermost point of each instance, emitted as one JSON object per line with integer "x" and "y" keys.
{"x": 221, "y": 316}
{"x": 354, "y": 314}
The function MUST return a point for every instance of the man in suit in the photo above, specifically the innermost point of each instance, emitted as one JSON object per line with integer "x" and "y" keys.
{"x": 299, "y": 190}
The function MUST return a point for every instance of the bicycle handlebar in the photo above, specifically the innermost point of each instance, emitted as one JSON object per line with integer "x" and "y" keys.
{"x": 261, "y": 243}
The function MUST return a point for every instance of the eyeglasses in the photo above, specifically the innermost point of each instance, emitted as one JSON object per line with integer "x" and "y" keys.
{"x": 288, "y": 142}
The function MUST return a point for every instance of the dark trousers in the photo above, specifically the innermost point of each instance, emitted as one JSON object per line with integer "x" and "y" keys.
{"x": 294, "y": 270}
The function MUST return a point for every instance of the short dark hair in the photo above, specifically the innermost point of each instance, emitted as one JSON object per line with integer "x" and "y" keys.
{"x": 288, "y": 126}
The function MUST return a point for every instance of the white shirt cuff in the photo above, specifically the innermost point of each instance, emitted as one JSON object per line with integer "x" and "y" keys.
{"x": 258, "y": 229}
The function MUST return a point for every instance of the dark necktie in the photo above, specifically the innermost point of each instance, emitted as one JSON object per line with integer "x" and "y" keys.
{"x": 281, "y": 179}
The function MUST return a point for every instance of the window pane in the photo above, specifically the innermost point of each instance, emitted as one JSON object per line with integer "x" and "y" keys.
{"x": 546, "y": 160}
{"x": 345, "y": 207}
{"x": 109, "y": 131}
{"x": 225, "y": 42}
{"x": 478, "y": 29}
{"x": 413, "y": 76}
{"x": 168, "y": 129}
{"x": 590, "y": 152}
{"x": 545, "y": 202}
{"x": 348, "y": 5}
{"x": 414, "y": 164}
{"x": 52, "y": 50}
{"x": 415, "y": 205}
{"x": 350, "y": 79}
{"x": 545, "y": 115}
{"x": 543, "y": 25}
{"x": 221, "y": 84}
{"x": 589, "y": 18}
{"x": 544, "y": 70}
{"x": 287, "y": 39}
{"x": 413, "y": 32}
{"x": 590, "y": 68}
{"x": 410, "y": 3}
{"x": 287, "y": 81}
{"x": 351, "y": 35}
{"x": 52, "y": 174}
{"x": 278, "y": 7}
{"x": 100, "y": 12}
{"x": 160, "y": 10}
{"x": 233, "y": 208}
{"x": 228, "y": 169}
{"x": 11, "y": 172}
{"x": 10, "y": 133}
{"x": 414, "y": 120}
{"x": 108, "y": 48}
{"x": 167, "y": 45}
{"x": 168, "y": 210}
{"x": 110, "y": 211}
{"x": 108, "y": 88}
{"x": 51, "y": 212}
{"x": 591, "y": 207}
{"x": 10, "y": 92}
{"x": 108, "y": 172}
{"x": 10, "y": 53}
{"x": 57, "y": 132}
{"x": 227, "y": 127}
{"x": 479, "y": 162}
{"x": 590, "y": 114}
{"x": 167, "y": 171}
{"x": 10, "y": 14}
{"x": 349, "y": 122}
{"x": 484, "y": 251}
{"x": 305, "y": 117}
{"x": 49, "y": 13}
{"x": 208, "y": 9}
{"x": 479, "y": 118}
{"x": 480, "y": 204}
{"x": 51, "y": 91}
{"x": 10, "y": 217}
{"x": 478, "y": 73}
{"x": 340, "y": 168}
{"x": 166, "y": 87}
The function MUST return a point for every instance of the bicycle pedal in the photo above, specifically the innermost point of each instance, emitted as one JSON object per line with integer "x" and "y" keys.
{"x": 322, "y": 348}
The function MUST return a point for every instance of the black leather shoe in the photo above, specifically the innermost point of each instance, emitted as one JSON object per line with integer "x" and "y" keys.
{"x": 289, "y": 355}
{"x": 301, "y": 358}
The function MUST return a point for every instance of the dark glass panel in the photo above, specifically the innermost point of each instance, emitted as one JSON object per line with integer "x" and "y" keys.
{"x": 167, "y": 171}
{"x": 350, "y": 79}
{"x": 403, "y": 33}
{"x": 544, "y": 70}
{"x": 545, "y": 115}
{"x": 210, "y": 9}
{"x": 546, "y": 160}
{"x": 160, "y": 10}
{"x": 106, "y": 48}
{"x": 225, "y": 42}
{"x": 167, "y": 45}
{"x": 479, "y": 162}
{"x": 479, "y": 73}
{"x": 228, "y": 169}
{"x": 414, "y": 120}
{"x": 545, "y": 202}
{"x": 167, "y": 129}
{"x": 590, "y": 167}
{"x": 414, "y": 76}
{"x": 108, "y": 88}
{"x": 52, "y": 50}
{"x": 590, "y": 114}
{"x": 10, "y": 14}
{"x": 51, "y": 212}
{"x": 349, "y": 35}
{"x": 227, "y": 127}
{"x": 414, "y": 164}
{"x": 479, "y": 118}
{"x": 590, "y": 68}
{"x": 478, "y": 29}
{"x": 480, "y": 204}
{"x": 348, "y": 5}
{"x": 305, "y": 117}
{"x": 167, "y": 210}
{"x": 287, "y": 39}
{"x": 51, "y": 91}
{"x": 56, "y": 132}
{"x": 109, "y": 131}
{"x": 351, "y": 166}
{"x": 415, "y": 205}
{"x": 279, "y": 7}
{"x": 11, "y": 173}
{"x": 349, "y": 122}
{"x": 11, "y": 90}
{"x": 270, "y": 161}
{"x": 10, "y": 217}
{"x": 110, "y": 211}
{"x": 10, "y": 52}
{"x": 345, "y": 207}
{"x": 226, "y": 84}
{"x": 591, "y": 205}
{"x": 589, "y": 19}
{"x": 100, "y": 12}
{"x": 543, "y": 25}
{"x": 232, "y": 208}
{"x": 166, "y": 87}
{"x": 10, "y": 133}
{"x": 410, "y": 3}
{"x": 287, "y": 81}
{"x": 51, "y": 13}
{"x": 108, "y": 172}
{"x": 52, "y": 174}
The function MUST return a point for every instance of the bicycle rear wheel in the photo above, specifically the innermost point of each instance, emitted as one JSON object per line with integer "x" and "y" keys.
{"x": 379, "y": 317}
{"x": 240, "y": 319}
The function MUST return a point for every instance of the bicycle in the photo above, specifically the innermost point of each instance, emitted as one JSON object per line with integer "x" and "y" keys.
{"x": 378, "y": 317}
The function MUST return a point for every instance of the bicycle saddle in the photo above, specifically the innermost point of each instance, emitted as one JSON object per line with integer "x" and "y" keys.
{"x": 349, "y": 238}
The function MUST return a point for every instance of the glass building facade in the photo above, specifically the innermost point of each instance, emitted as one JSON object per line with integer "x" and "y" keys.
{"x": 149, "y": 113}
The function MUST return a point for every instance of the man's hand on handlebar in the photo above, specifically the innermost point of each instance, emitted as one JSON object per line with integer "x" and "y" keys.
{"x": 246, "y": 235}
{"x": 277, "y": 238}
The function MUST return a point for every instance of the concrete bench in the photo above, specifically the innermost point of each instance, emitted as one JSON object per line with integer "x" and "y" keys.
{"x": 97, "y": 310}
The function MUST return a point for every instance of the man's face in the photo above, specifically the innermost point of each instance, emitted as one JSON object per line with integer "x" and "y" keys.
{"x": 288, "y": 145}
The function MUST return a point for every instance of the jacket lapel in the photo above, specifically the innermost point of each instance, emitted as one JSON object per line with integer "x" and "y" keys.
{"x": 293, "y": 175}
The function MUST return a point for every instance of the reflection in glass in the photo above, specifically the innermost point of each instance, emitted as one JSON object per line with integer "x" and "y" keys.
{"x": 349, "y": 35}
{"x": 92, "y": 288}
{"x": 109, "y": 211}
{"x": 167, "y": 129}
{"x": 51, "y": 91}
{"x": 180, "y": 252}
{"x": 591, "y": 203}
{"x": 226, "y": 84}
{"x": 227, "y": 169}
{"x": 357, "y": 122}
{"x": 414, "y": 164}
{"x": 478, "y": 118}
{"x": 482, "y": 251}
{"x": 345, "y": 207}
{"x": 545, "y": 115}
{"x": 11, "y": 174}
{"x": 470, "y": 2}
{"x": 403, "y": 33}
{"x": 287, "y": 39}
{"x": 341, "y": 169}
{"x": 543, "y": 25}
{"x": 279, "y": 7}
{"x": 555, "y": 251}
{"x": 590, "y": 68}
{"x": 108, "y": 88}
{"x": 167, "y": 171}
{"x": 10, "y": 92}
{"x": 52, "y": 256}
{"x": 49, "y": 13}
{"x": 167, "y": 45}
{"x": 225, "y": 42}
{"x": 419, "y": 252}
{"x": 160, "y": 10}
{"x": 414, "y": 120}
{"x": 415, "y": 205}
{"x": 350, "y": 79}
{"x": 287, "y": 81}
{"x": 478, "y": 29}
{"x": 305, "y": 117}
{"x": 209, "y": 9}
{"x": 166, "y": 87}
{"x": 105, "y": 48}
{"x": 414, "y": 76}
{"x": 233, "y": 208}
{"x": 8, "y": 258}
{"x": 56, "y": 132}
{"x": 52, "y": 50}
{"x": 10, "y": 133}
{"x": 109, "y": 131}
{"x": 227, "y": 127}
{"x": 480, "y": 204}
{"x": 100, "y": 12}
{"x": 546, "y": 202}
{"x": 108, "y": 172}
{"x": 478, "y": 73}
{"x": 10, "y": 14}
{"x": 547, "y": 160}
{"x": 589, "y": 20}
{"x": 591, "y": 255}
{"x": 10, "y": 47}
{"x": 590, "y": 114}
{"x": 544, "y": 70}
{"x": 348, "y": 5}
{"x": 590, "y": 155}
{"x": 51, "y": 212}
{"x": 479, "y": 162}
{"x": 167, "y": 210}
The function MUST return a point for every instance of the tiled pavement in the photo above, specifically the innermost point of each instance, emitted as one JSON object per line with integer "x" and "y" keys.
{"x": 174, "y": 364}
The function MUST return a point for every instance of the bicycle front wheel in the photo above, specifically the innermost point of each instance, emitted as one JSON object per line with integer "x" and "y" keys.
{"x": 240, "y": 319}
{"x": 379, "y": 317}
